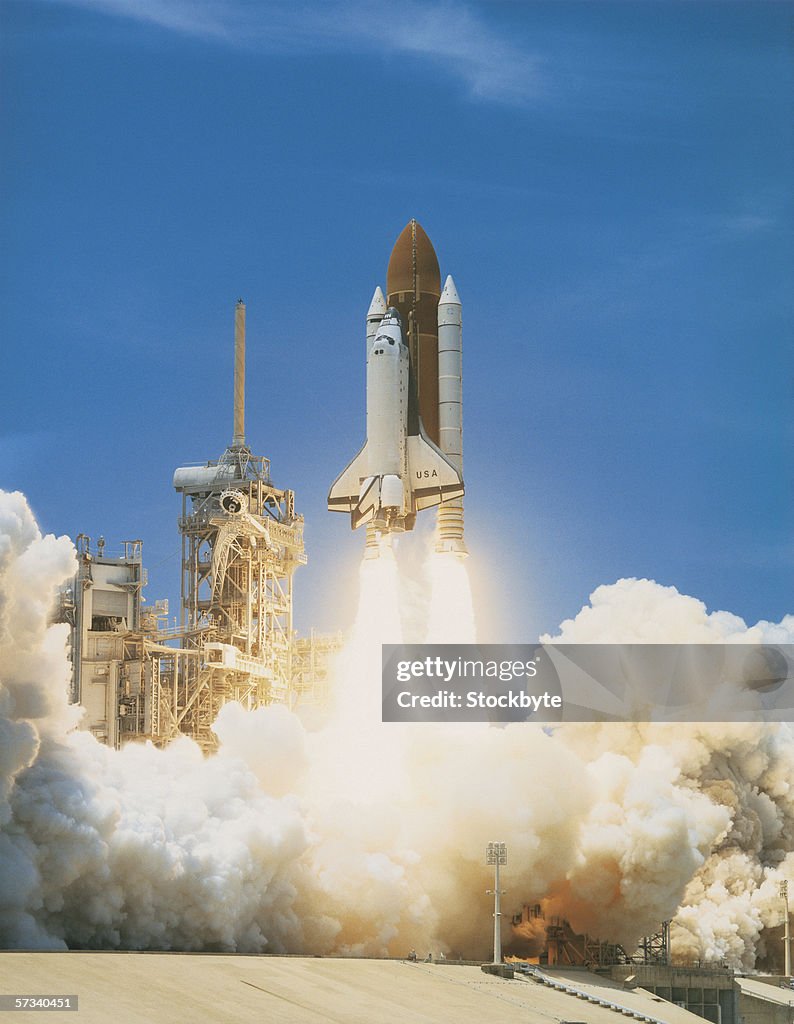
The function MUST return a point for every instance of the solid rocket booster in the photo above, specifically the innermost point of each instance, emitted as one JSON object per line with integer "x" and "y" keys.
{"x": 375, "y": 313}
{"x": 413, "y": 457}
{"x": 450, "y": 412}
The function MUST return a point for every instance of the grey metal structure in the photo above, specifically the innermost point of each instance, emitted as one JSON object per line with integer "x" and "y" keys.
{"x": 113, "y": 670}
{"x": 564, "y": 946}
{"x": 311, "y": 677}
{"x": 709, "y": 991}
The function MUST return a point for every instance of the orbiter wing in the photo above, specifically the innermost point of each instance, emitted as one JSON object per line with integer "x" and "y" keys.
{"x": 346, "y": 489}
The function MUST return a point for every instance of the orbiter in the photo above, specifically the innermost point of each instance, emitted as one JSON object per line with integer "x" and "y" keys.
{"x": 413, "y": 455}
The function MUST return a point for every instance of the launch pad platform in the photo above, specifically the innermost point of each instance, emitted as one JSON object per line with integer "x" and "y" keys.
{"x": 170, "y": 988}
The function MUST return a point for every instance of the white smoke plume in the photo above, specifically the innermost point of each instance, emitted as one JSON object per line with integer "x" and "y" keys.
{"x": 695, "y": 820}
{"x": 139, "y": 848}
{"x": 368, "y": 838}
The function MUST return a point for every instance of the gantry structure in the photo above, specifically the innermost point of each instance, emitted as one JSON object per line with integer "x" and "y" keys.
{"x": 242, "y": 541}
{"x": 241, "y": 544}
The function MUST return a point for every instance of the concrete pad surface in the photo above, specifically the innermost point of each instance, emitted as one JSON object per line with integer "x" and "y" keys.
{"x": 174, "y": 988}
{"x": 764, "y": 990}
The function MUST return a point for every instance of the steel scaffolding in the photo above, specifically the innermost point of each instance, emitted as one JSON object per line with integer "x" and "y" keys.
{"x": 241, "y": 544}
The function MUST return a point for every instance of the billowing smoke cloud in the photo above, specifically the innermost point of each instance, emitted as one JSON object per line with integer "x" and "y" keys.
{"x": 704, "y": 808}
{"x": 367, "y": 838}
{"x": 137, "y": 848}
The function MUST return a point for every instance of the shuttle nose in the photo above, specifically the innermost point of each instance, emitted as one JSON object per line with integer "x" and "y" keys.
{"x": 389, "y": 336}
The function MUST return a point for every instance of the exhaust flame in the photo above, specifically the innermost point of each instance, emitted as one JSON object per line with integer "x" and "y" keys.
{"x": 366, "y": 838}
{"x": 451, "y": 612}
{"x": 355, "y": 737}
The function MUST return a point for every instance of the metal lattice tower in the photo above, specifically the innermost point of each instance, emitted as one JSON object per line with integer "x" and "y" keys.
{"x": 241, "y": 544}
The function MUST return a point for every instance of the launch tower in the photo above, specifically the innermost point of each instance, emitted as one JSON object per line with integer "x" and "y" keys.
{"x": 241, "y": 544}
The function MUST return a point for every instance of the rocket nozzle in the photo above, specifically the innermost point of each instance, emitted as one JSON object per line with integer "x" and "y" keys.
{"x": 449, "y": 528}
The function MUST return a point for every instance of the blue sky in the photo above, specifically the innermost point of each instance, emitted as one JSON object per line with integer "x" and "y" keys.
{"x": 609, "y": 183}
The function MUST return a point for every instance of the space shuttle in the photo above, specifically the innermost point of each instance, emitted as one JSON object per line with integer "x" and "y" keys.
{"x": 413, "y": 456}
{"x": 399, "y": 471}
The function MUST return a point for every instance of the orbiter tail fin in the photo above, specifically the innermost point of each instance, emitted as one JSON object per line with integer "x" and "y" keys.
{"x": 432, "y": 476}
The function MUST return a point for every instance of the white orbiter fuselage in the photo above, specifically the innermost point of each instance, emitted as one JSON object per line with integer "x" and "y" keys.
{"x": 399, "y": 471}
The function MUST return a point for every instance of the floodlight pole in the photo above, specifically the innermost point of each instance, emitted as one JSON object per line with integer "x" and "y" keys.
{"x": 496, "y": 854}
{"x": 497, "y": 917}
{"x": 786, "y": 931}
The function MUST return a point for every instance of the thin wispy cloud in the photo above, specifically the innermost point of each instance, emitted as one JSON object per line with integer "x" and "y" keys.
{"x": 748, "y": 224}
{"x": 452, "y": 35}
{"x": 189, "y": 18}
